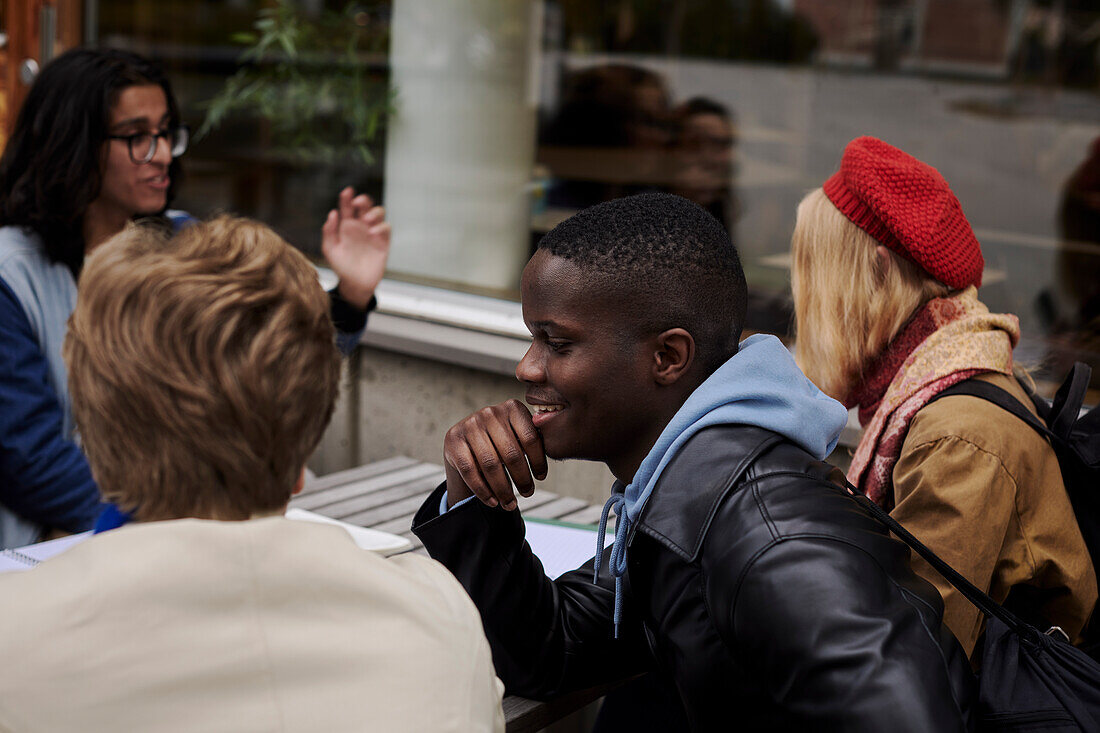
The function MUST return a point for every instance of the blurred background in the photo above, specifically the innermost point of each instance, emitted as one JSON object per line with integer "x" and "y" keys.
{"x": 482, "y": 123}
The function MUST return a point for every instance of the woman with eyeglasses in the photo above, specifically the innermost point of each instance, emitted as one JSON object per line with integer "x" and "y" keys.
{"x": 96, "y": 145}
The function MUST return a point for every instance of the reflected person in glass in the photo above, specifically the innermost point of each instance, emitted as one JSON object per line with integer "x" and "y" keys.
{"x": 704, "y": 147}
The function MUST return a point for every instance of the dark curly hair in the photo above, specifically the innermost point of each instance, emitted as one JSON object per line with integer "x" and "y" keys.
{"x": 669, "y": 258}
{"x": 51, "y": 169}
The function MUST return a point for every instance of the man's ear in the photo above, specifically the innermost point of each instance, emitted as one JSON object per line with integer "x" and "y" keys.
{"x": 674, "y": 355}
{"x": 300, "y": 483}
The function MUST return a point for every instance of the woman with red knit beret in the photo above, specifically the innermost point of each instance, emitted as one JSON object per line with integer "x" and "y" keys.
{"x": 885, "y": 275}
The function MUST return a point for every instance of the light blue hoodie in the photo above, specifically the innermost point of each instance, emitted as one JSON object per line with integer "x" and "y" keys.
{"x": 761, "y": 386}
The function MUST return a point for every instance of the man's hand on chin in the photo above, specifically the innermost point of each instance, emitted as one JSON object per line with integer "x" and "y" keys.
{"x": 489, "y": 451}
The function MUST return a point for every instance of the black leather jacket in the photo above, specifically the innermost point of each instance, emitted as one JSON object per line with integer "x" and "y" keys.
{"x": 766, "y": 595}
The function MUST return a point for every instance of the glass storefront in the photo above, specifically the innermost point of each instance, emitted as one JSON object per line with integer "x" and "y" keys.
{"x": 508, "y": 115}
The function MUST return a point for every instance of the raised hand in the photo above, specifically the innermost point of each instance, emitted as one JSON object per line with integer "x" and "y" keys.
{"x": 487, "y": 452}
{"x": 355, "y": 240}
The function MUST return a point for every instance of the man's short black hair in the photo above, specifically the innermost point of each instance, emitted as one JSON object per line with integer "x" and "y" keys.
{"x": 671, "y": 263}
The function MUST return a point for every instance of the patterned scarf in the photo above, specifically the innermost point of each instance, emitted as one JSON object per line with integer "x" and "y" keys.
{"x": 947, "y": 341}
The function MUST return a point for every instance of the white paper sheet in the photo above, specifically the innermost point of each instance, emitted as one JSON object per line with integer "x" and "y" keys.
{"x": 13, "y": 560}
{"x": 369, "y": 539}
{"x": 11, "y": 565}
{"x": 562, "y": 548}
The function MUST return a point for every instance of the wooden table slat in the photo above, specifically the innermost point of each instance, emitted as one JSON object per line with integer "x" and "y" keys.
{"x": 399, "y": 525}
{"x": 360, "y": 495}
{"x": 557, "y": 508}
{"x": 418, "y": 489}
{"x": 522, "y": 715}
{"x": 586, "y": 515}
{"x": 402, "y": 508}
{"x": 529, "y": 503}
{"x": 358, "y": 473}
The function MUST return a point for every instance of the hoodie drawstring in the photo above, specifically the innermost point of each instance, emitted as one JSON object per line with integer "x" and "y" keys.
{"x": 616, "y": 563}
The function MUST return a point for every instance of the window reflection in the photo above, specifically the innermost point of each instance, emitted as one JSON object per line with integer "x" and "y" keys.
{"x": 703, "y": 144}
{"x": 1071, "y": 303}
{"x": 740, "y": 105}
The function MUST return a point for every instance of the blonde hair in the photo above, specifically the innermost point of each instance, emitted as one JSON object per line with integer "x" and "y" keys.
{"x": 202, "y": 369}
{"x": 849, "y": 304}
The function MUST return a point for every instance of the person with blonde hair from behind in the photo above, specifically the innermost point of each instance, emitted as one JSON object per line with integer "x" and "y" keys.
{"x": 203, "y": 370}
{"x": 885, "y": 275}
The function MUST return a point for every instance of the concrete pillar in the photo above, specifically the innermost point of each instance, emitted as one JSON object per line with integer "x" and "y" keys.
{"x": 461, "y": 145}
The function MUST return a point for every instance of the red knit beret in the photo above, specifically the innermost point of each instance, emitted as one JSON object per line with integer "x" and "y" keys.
{"x": 907, "y": 206}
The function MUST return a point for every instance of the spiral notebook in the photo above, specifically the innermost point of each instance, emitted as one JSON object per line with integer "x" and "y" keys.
{"x": 26, "y": 557}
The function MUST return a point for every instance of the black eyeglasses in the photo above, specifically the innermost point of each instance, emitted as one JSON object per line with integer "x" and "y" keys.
{"x": 143, "y": 145}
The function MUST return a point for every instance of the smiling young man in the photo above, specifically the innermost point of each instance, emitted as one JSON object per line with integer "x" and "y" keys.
{"x": 755, "y": 590}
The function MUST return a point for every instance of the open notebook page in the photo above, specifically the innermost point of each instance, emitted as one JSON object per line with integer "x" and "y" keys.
{"x": 562, "y": 547}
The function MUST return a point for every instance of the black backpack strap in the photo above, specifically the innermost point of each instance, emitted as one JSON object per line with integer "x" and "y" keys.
{"x": 1000, "y": 398}
{"x": 971, "y": 592}
{"x": 1066, "y": 406}
{"x": 1062, "y": 414}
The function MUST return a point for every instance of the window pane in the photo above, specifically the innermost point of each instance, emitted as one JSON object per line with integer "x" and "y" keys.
{"x": 511, "y": 115}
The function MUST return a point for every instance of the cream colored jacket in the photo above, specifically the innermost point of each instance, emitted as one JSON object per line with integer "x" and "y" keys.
{"x": 984, "y": 491}
{"x": 264, "y": 625}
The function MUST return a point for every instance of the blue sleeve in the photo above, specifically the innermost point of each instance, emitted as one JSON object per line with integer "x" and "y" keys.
{"x": 350, "y": 322}
{"x": 179, "y": 219}
{"x": 443, "y": 503}
{"x": 43, "y": 476}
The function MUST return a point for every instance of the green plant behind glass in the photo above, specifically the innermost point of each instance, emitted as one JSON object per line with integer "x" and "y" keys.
{"x": 310, "y": 78}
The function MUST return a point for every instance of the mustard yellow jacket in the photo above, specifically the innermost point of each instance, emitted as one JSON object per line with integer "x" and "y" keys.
{"x": 984, "y": 491}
